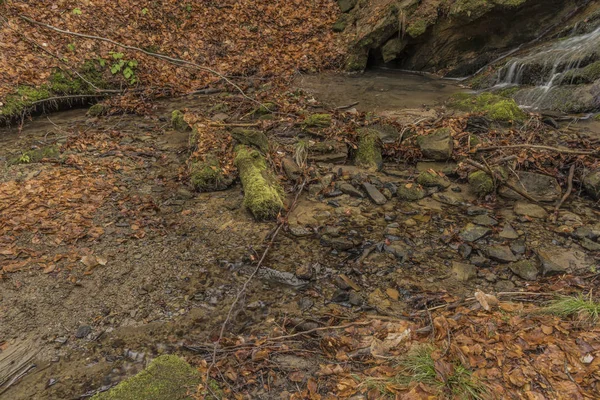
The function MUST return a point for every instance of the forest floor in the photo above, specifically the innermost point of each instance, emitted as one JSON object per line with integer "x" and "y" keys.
{"x": 109, "y": 258}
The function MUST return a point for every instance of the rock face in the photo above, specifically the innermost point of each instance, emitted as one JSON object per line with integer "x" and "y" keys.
{"x": 437, "y": 146}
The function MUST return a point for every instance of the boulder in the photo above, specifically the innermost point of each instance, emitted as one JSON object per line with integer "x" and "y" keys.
{"x": 438, "y": 145}
{"x": 411, "y": 192}
{"x": 392, "y": 48}
{"x": 433, "y": 179}
{"x": 481, "y": 183}
{"x": 540, "y": 187}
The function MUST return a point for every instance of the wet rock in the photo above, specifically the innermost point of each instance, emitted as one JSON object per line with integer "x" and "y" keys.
{"x": 472, "y": 232}
{"x": 392, "y": 187}
{"x": 432, "y": 179}
{"x": 374, "y": 194}
{"x": 524, "y": 269}
{"x": 540, "y": 187}
{"x": 340, "y": 296}
{"x": 304, "y": 272}
{"x": 411, "y": 192}
{"x": 530, "y": 210}
{"x": 464, "y": 272}
{"x": 508, "y": 232}
{"x": 438, "y": 145}
{"x": 590, "y": 245}
{"x": 550, "y": 122}
{"x": 485, "y": 220}
{"x": 329, "y": 151}
{"x": 292, "y": 170}
{"x": 350, "y": 190}
{"x": 305, "y": 303}
{"x": 501, "y": 254}
{"x": 481, "y": 183}
{"x": 337, "y": 243}
{"x": 83, "y": 331}
{"x": 300, "y": 231}
{"x": 591, "y": 184}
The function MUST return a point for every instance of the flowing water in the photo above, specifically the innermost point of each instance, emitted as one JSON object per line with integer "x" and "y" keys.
{"x": 548, "y": 68}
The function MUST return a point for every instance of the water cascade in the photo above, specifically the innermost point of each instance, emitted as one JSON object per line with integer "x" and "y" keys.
{"x": 570, "y": 61}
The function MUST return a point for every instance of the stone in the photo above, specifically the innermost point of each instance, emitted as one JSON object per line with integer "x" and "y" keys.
{"x": 300, "y": 231}
{"x": 524, "y": 269}
{"x": 433, "y": 179}
{"x": 220, "y": 117}
{"x": 340, "y": 296}
{"x": 291, "y": 169}
{"x": 398, "y": 250}
{"x": 477, "y": 124}
{"x": 350, "y": 190}
{"x": 392, "y": 48}
{"x": 410, "y": 192}
{"x": 375, "y": 195}
{"x": 472, "y": 232}
{"x": 337, "y": 243}
{"x": 251, "y": 137}
{"x": 485, "y": 220}
{"x": 530, "y": 210}
{"x": 591, "y": 184}
{"x": 347, "y": 5}
{"x": 501, "y": 254}
{"x": 504, "y": 286}
{"x": 481, "y": 183}
{"x": 447, "y": 168}
{"x": 465, "y": 250}
{"x": 304, "y": 272}
{"x": 479, "y": 261}
{"x": 83, "y": 331}
{"x": 518, "y": 247}
{"x": 329, "y": 151}
{"x": 464, "y": 272}
{"x": 475, "y": 210}
{"x": 590, "y": 245}
{"x": 558, "y": 260}
{"x": 355, "y": 299}
{"x": 540, "y": 187}
{"x": 438, "y": 145}
{"x": 508, "y": 232}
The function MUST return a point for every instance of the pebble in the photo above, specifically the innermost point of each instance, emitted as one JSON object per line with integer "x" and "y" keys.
{"x": 508, "y": 232}
{"x": 83, "y": 331}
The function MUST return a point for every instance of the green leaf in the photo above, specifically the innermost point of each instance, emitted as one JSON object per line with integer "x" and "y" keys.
{"x": 76, "y": 11}
{"x": 102, "y": 62}
{"x": 144, "y": 11}
{"x": 115, "y": 68}
{"x": 127, "y": 73}
{"x": 132, "y": 63}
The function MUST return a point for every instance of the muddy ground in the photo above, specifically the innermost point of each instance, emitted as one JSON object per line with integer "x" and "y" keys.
{"x": 157, "y": 265}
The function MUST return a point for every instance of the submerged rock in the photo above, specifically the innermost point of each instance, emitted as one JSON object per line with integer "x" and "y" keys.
{"x": 432, "y": 179}
{"x": 438, "y": 145}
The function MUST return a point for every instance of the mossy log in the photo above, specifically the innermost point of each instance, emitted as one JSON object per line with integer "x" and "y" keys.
{"x": 368, "y": 154}
{"x": 263, "y": 195}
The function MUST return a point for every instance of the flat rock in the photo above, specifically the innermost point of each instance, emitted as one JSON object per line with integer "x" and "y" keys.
{"x": 508, "y": 232}
{"x": 485, "y": 220}
{"x": 558, "y": 260}
{"x": 374, "y": 194}
{"x": 524, "y": 269}
{"x": 530, "y": 210}
{"x": 329, "y": 151}
{"x": 500, "y": 253}
{"x": 540, "y": 187}
{"x": 337, "y": 243}
{"x": 438, "y": 145}
{"x": 300, "y": 231}
{"x": 447, "y": 168}
{"x": 350, "y": 190}
{"x": 472, "y": 232}
{"x": 590, "y": 245}
{"x": 464, "y": 272}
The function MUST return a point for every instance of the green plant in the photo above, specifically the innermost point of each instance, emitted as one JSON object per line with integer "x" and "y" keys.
{"x": 583, "y": 307}
{"x": 24, "y": 159}
{"x": 71, "y": 46}
{"x": 301, "y": 153}
{"x": 126, "y": 67}
{"x": 144, "y": 11}
{"x": 76, "y": 11}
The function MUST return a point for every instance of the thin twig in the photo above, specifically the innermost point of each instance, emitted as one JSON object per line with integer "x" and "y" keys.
{"x": 347, "y": 106}
{"x": 173, "y": 60}
{"x": 322, "y": 328}
{"x": 245, "y": 286}
{"x": 540, "y": 147}
{"x": 567, "y": 193}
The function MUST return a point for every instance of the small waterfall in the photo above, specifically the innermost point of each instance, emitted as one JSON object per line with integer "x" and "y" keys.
{"x": 547, "y": 68}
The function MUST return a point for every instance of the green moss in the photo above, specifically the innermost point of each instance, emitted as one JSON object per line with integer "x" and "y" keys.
{"x": 357, "y": 61}
{"x": 432, "y": 179}
{"x": 251, "y": 137}
{"x": 411, "y": 192}
{"x": 166, "y": 378}
{"x": 368, "y": 153}
{"x": 481, "y": 183}
{"x": 36, "y": 155}
{"x": 265, "y": 108}
{"x": 582, "y": 75}
{"x": 178, "y": 122}
{"x": 597, "y": 117}
{"x": 317, "y": 121}
{"x": 417, "y": 28}
{"x": 494, "y": 106}
{"x": 97, "y": 110}
{"x": 263, "y": 195}
{"x": 208, "y": 176}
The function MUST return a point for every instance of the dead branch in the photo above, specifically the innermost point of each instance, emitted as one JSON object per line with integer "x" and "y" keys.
{"x": 322, "y": 328}
{"x": 541, "y": 147}
{"x": 173, "y": 60}
{"x": 500, "y": 179}
{"x": 567, "y": 193}
{"x": 346, "y": 106}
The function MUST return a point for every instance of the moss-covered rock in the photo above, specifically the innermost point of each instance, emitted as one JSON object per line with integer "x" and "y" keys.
{"x": 496, "y": 107}
{"x": 432, "y": 179}
{"x": 591, "y": 183}
{"x": 36, "y": 155}
{"x": 368, "y": 154}
{"x": 588, "y": 74}
{"x": 317, "y": 121}
{"x": 178, "y": 122}
{"x": 166, "y": 378}
{"x": 251, "y": 137}
{"x": 347, "y": 5}
{"x": 481, "y": 183}
{"x": 208, "y": 176}
{"x": 411, "y": 192}
{"x": 97, "y": 110}
{"x": 438, "y": 145}
{"x": 392, "y": 49}
{"x": 265, "y": 108}
{"x": 341, "y": 23}
{"x": 263, "y": 195}
{"x": 418, "y": 27}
